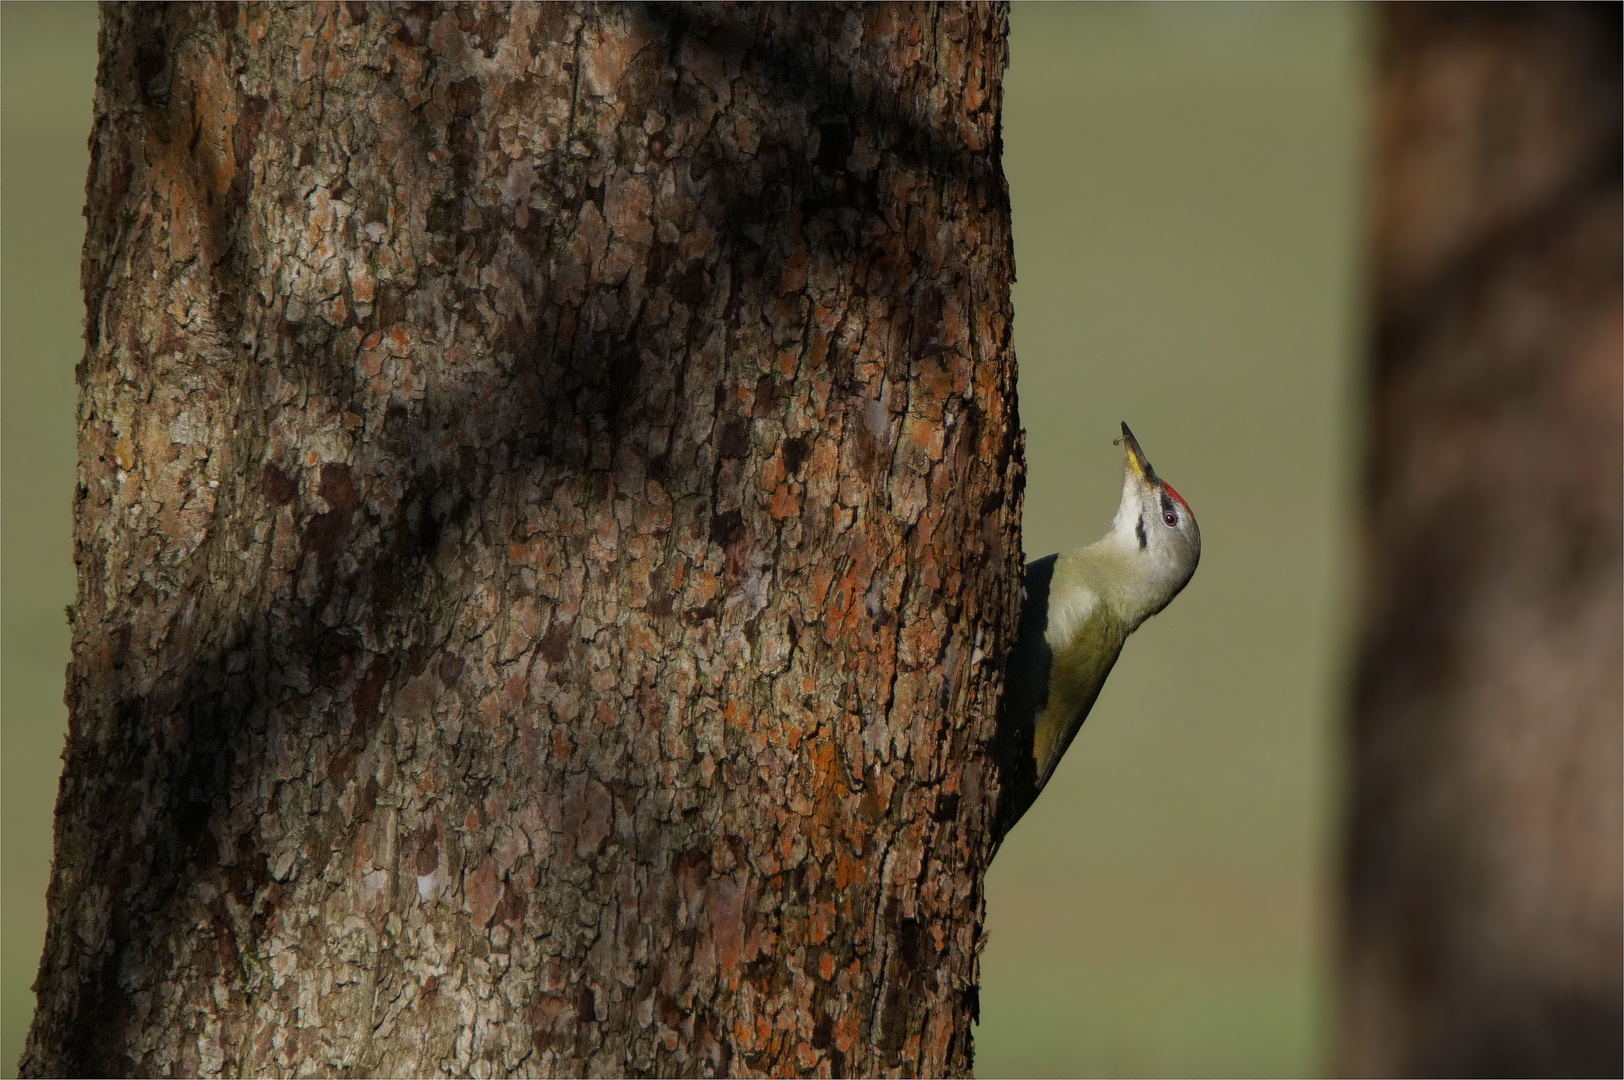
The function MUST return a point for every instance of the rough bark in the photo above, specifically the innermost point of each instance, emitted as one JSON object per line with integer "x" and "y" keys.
{"x": 1483, "y": 899}
{"x": 546, "y": 525}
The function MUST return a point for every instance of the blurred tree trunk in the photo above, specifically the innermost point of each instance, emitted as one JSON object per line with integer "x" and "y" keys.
{"x": 1483, "y": 899}
{"x": 547, "y": 510}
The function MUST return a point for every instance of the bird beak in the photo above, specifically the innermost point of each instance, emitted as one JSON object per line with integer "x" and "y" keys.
{"x": 1136, "y": 458}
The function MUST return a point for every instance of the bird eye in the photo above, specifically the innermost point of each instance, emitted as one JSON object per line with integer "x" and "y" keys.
{"x": 1172, "y": 519}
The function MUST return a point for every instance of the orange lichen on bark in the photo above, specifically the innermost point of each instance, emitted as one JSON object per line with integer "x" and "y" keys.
{"x": 626, "y": 409}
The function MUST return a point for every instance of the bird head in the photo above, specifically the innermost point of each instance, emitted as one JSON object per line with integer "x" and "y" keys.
{"x": 1158, "y": 532}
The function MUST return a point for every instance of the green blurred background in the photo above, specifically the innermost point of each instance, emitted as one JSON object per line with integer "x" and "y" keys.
{"x": 1185, "y": 189}
{"x": 1185, "y": 181}
{"x": 47, "y": 76}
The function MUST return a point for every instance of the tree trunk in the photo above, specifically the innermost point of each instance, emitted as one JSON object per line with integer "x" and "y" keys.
{"x": 547, "y": 525}
{"x": 1483, "y": 905}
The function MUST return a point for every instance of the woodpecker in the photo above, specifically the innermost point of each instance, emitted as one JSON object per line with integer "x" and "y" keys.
{"x": 1079, "y": 609}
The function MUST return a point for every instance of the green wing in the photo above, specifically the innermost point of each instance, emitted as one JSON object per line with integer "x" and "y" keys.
{"x": 1079, "y": 670}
